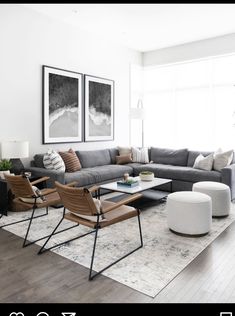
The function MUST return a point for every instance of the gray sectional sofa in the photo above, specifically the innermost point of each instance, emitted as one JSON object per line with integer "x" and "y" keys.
{"x": 99, "y": 166}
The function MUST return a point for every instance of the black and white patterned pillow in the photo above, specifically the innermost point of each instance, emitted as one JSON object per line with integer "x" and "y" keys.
{"x": 53, "y": 161}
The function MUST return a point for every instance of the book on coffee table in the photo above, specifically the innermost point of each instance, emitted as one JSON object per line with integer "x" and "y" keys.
{"x": 131, "y": 184}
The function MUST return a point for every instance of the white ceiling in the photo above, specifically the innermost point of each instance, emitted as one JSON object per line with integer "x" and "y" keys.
{"x": 146, "y": 27}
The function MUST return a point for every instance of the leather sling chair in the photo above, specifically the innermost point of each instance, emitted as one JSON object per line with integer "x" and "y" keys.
{"x": 83, "y": 209}
{"x": 25, "y": 194}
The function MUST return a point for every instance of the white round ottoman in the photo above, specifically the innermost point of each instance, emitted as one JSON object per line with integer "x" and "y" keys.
{"x": 189, "y": 213}
{"x": 220, "y": 195}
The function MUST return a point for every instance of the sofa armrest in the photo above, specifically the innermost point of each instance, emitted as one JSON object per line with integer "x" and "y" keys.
{"x": 52, "y": 174}
{"x": 228, "y": 177}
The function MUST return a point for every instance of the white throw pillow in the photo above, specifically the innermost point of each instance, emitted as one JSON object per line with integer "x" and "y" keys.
{"x": 204, "y": 163}
{"x": 140, "y": 155}
{"x": 37, "y": 192}
{"x": 53, "y": 161}
{"x": 222, "y": 160}
{"x": 123, "y": 151}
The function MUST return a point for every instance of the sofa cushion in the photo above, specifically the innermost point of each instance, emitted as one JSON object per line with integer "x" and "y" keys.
{"x": 98, "y": 174}
{"x": 113, "y": 153}
{"x": 179, "y": 172}
{"x": 83, "y": 178}
{"x": 93, "y": 158}
{"x": 38, "y": 160}
{"x": 177, "y": 157}
{"x": 192, "y": 155}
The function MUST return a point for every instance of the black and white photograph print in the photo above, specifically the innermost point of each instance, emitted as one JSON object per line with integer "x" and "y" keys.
{"x": 99, "y": 109}
{"x": 62, "y": 106}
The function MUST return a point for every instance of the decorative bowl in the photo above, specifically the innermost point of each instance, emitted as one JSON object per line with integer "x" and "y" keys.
{"x": 146, "y": 176}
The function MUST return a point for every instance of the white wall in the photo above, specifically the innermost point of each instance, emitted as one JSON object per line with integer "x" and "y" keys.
{"x": 29, "y": 40}
{"x": 199, "y": 49}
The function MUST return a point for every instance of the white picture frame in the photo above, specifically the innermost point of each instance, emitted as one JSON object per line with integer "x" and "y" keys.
{"x": 62, "y": 106}
{"x": 99, "y": 109}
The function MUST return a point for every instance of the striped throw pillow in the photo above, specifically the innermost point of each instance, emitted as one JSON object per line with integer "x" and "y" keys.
{"x": 71, "y": 161}
{"x": 140, "y": 155}
{"x": 53, "y": 161}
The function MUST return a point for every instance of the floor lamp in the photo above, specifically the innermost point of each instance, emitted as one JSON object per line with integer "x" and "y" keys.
{"x": 14, "y": 150}
{"x": 138, "y": 113}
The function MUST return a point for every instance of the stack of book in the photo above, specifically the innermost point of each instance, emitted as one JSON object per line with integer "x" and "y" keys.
{"x": 128, "y": 183}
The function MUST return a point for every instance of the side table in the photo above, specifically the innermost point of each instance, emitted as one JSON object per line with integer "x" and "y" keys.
{"x": 3, "y": 197}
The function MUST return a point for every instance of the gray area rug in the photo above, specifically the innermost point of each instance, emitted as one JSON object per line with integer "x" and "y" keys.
{"x": 148, "y": 270}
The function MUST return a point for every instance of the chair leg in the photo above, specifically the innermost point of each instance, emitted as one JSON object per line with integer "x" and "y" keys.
{"x": 23, "y": 220}
{"x": 43, "y": 249}
{"x": 49, "y": 237}
{"x": 91, "y": 277}
{"x": 93, "y": 253}
{"x": 25, "y": 244}
{"x": 140, "y": 230}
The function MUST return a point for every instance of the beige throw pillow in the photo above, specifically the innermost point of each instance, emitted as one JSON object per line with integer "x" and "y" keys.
{"x": 30, "y": 200}
{"x": 122, "y": 159}
{"x": 124, "y": 150}
{"x": 204, "y": 163}
{"x": 222, "y": 160}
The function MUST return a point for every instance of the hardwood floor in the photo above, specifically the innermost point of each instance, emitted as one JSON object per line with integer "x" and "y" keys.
{"x": 29, "y": 278}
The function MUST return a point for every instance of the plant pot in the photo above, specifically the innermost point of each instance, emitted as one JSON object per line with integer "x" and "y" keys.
{"x": 3, "y": 172}
{"x": 146, "y": 176}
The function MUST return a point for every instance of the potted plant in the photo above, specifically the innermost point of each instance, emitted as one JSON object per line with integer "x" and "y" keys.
{"x": 146, "y": 175}
{"x": 5, "y": 166}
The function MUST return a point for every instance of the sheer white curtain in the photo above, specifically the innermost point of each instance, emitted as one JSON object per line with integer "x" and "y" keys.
{"x": 137, "y": 85}
{"x": 190, "y": 104}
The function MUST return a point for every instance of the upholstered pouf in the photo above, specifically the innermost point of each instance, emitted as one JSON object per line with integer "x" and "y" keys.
{"x": 189, "y": 213}
{"x": 220, "y": 196}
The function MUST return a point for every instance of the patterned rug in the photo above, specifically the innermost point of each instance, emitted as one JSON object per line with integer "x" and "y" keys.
{"x": 149, "y": 269}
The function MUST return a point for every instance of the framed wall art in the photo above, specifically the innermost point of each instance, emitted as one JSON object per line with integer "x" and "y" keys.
{"x": 99, "y": 109}
{"x": 62, "y": 106}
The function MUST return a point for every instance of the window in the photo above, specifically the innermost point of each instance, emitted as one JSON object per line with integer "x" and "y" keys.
{"x": 190, "y": 104}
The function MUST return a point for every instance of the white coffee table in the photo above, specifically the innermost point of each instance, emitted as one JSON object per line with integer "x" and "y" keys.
{"x": 144, "y": 187}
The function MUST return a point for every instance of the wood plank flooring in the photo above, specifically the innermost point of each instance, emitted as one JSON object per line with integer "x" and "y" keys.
{"x": 49, "y": 278}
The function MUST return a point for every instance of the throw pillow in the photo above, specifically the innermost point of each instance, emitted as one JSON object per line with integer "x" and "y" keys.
{"x": 30, "y": 200}
{"x": 222, "y": 160}
{"x": 71, "y": 160}
{"x": 124, "y": 150}
{"x": 140, "y": 155}
{"x": 53, "y": 161}
{"x": 122, "y": 159}
{"x": 204, "y": 163}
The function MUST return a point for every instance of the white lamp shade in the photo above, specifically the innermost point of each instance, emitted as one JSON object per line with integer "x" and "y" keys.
{"x": 15, "y": 149}
{"x": 137, "y": 113}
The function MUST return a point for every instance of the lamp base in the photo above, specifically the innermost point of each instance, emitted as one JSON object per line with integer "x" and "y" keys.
{"x": 17, "y": 166}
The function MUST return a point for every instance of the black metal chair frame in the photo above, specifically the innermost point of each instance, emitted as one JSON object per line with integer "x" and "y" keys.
{"x": 25, "y": 243}
{"x": 30, "y": 219}
{"x": 23, "y": 220}
{"x": 97, "y": 227}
